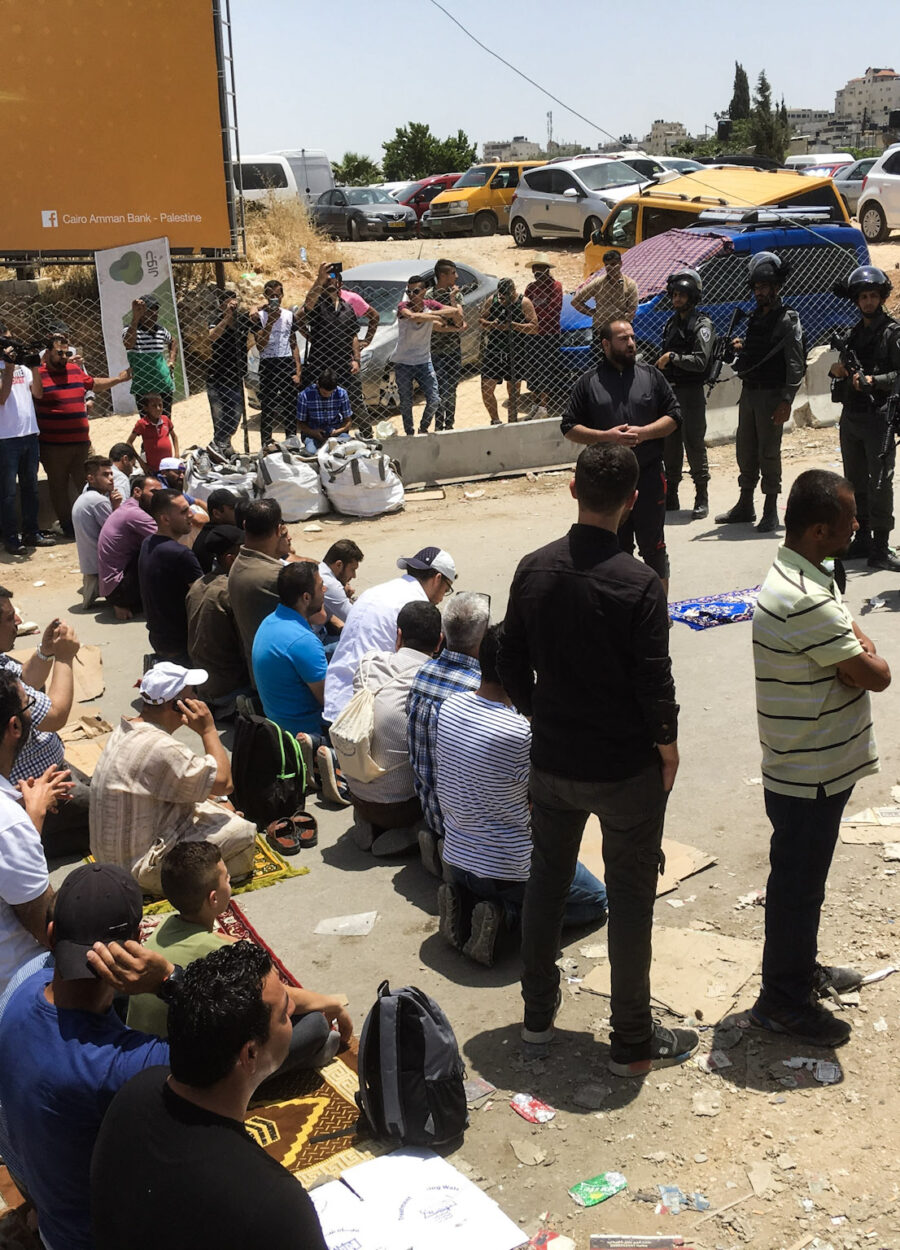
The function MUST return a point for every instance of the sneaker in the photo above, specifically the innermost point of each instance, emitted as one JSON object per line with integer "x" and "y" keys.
{"x": 334, "y": 788}
{"x": 663, "y": 1049}
{"x": 487, "y": 918}
{"x": 811, "y": 1023}
{"x": 329, "y": 1049}
{"x": 428, "y": 849}
{"x": 539, "y": 414}
{"x": 538, "y": 1032}
{"x": 450, "y": 913}
{"x": 16, "y": 549}
{"x": 841, "y": 980}
{"x": 40, "y": 539}
{"x": 304, "y": 741}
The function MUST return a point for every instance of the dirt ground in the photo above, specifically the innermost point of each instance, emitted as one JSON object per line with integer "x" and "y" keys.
{"x": 822, "y": 1156}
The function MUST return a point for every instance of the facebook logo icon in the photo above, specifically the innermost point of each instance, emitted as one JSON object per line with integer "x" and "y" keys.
{"x": 49, "y": 217}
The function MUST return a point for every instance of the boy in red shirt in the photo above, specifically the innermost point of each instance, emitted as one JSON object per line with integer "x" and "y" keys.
{"x": 158, "y": 437}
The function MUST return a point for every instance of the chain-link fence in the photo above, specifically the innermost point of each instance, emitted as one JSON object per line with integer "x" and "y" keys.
{"x": 501, "y": 360}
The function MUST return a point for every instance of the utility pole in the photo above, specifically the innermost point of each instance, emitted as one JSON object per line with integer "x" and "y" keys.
{"x": 549, "y": 131}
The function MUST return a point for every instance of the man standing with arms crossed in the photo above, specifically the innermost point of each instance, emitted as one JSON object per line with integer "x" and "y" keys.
{"x": 604, "y": 740}
{"x": 446, "y": 344}
{"x": 814, "y": 670}
{"x": 629, "y": 404}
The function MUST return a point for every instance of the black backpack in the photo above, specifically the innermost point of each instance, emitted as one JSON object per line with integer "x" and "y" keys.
{"x": 410, "y": 1073}
{"x": 268, "y": 771}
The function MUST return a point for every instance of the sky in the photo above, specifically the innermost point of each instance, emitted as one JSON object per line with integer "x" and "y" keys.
{"x": 343, "y": 75}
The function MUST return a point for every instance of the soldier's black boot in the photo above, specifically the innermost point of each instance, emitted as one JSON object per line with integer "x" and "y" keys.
{"x": 701, "y": 503}
{"x": 769, "y": 522}
{"x": 743, "y": 510}
{"x": 880, "y": 555}
{"x": 862, "y": 543}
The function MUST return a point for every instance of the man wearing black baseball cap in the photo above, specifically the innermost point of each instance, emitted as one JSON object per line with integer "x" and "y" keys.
{"x": 64, "y": 1051}
{"x": 214, "y": 642}
{"x": 372, "y": 623}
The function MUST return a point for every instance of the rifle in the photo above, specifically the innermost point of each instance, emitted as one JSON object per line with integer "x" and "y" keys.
{"x": 723, "y": 352}
{"x": 840, "y": 343}
{"x": 891, "y": 434}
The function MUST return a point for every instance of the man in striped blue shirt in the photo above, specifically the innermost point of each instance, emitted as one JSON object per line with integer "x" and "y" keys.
{"x": 814, "y": 669}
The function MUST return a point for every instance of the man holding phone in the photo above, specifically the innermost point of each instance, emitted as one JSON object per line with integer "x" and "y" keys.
{"x": 331, "y": 318}
{"x": 274, "y": 329}
{"x": 152, "y": 352}
{"x": 228, "y": 331}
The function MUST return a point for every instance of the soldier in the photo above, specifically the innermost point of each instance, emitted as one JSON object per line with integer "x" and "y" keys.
{"x": 875, "y": 342}
{"x": 688, "y": 341}
{"x": 770, "y": 362}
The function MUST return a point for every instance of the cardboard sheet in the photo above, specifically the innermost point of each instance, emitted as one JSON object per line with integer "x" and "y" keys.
{"x": 682, "y": 861}
{"x": 871, "y": 825}
{"x": 692, "y": 972}
{"x": 87, "y": 671}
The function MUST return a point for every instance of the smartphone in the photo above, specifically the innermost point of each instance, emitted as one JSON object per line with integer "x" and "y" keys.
{"x": 337, "y": 268}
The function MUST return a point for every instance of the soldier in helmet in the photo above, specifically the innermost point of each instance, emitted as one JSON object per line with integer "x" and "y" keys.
{"x": 770, "y": 362}
{"x": 687, "y": 342}
{"x": 875, "y": 339}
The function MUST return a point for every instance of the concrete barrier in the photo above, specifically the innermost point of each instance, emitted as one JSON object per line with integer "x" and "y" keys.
{"x": 495, "y": 451}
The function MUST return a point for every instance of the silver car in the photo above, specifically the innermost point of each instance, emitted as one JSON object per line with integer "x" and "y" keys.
{"x": 848, "y": 181}
{"x": 569, "y": 199}
{"x": 362, "y": 213}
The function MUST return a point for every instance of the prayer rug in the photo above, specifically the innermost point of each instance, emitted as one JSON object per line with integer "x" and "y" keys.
{"x": 724, "y": 609}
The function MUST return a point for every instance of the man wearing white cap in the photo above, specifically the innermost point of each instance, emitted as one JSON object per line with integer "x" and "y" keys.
{"x": 372, "y": 623}
{"x": 150, "y": 791}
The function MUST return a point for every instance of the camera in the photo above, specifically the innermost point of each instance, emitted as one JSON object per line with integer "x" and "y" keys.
{"x": 19, "y": 353}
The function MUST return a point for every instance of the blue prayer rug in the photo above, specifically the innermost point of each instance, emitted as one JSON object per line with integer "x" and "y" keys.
{"x": 733, "y": 605}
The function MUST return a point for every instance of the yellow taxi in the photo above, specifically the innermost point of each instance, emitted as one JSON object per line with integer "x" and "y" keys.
{"x": 480, "y": 202}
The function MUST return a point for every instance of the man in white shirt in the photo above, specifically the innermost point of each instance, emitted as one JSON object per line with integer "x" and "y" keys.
{"x": 274, "y": 331}
{"x": 337, "y": 570}
{"x": 372, "y": 622}
{"x": 25, "y": 890}
{"x": 482, "y": 763}
{"x": 124, "y": 466}
{"x": 387, "y": 810}
{"x": 19, "y": 453}
{"x": 97, "y": 501}
{"x": 416, "y": 319}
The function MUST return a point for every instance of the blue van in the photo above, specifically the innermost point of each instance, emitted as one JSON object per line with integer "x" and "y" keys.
{"x": 819, "y": 255}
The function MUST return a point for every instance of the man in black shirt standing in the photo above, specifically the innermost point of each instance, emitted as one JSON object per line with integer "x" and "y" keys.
{"x": 227, "y": 367}
{"x": 585, "y": 655}
{"x": 625, "y": 403}
{"x": 173, "y": 1165}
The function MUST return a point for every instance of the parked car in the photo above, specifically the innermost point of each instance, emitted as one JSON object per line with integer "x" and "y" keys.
{"x": 681, "y": 164}
{"x": 391, "y": 187}
{"x": 362, "y": 213}
{"x": 647, "y": 166}
{"x": 826, "y": 170}
{"x": 304, "y": 173}
{"x": 878, "y": 208}
{"x": 820, "y": 255}
{"x": 806, "y": 160}
{"x": 480, "y": 201}
{"x": 680, "y": 201}
{"x": 849, "y": 180}
{"x": 569, "y": 199}
{"x": 418, "y": 195}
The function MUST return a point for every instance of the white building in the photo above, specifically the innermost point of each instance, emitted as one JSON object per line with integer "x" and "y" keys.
{"x": 664, "y": 136}
{"x": 871, "y": 97}
{"x": 516, "y": 149}
{"x": 808, "y": 121}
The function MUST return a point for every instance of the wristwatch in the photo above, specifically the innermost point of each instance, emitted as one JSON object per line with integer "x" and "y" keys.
{"x": 171, "y": 984}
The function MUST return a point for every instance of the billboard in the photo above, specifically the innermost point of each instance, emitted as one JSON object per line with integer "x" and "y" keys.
{"x": 112, "y": 125}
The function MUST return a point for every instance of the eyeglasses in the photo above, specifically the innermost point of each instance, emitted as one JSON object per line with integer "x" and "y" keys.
{"x": 448, "y": 585}
{"x": 28, "y": 704}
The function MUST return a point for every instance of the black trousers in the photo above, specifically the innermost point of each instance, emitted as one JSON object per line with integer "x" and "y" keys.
{"x": 804, "y": 835}
{"x": 689, "y": 438}
{"x": 646, "y": 524}
{"x": 631, "y": 814}
{"x": 277, "y": 397}
{"x": 862, "y": 438}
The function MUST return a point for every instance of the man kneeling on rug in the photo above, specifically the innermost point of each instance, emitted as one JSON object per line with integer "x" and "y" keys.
{"x": 196, "y": 882}
{"x": 150, "y": 791}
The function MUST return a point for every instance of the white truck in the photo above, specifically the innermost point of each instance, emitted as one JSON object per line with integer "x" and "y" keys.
{"x": 296, "y": 172}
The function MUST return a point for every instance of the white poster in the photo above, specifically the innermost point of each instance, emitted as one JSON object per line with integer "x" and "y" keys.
{"x": 125, "y": 274}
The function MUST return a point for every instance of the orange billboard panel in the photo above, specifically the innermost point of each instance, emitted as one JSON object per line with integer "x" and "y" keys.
{"x": 110, "y": 113}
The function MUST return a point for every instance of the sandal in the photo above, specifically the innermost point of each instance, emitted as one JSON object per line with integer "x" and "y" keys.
{"x": 290, "y": 834}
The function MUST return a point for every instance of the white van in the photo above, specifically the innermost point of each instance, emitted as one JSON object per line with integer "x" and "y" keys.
{"x": 807, "y": 160}
{"x": 302, "y": 172}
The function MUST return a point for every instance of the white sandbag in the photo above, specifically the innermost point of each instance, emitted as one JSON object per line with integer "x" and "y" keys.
{"x": 359, "y": 478}
{"x": 293, "y": 480}
{"x": 202, "y": 476}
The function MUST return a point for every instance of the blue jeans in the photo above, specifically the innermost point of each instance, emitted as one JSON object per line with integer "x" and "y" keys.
{"x": 226, "y": 409}
{"x": 585, "y": 901}
{"x": 427, "y": 380}
{"x": 312, "y": 447}
{"x": 19, "y": 458}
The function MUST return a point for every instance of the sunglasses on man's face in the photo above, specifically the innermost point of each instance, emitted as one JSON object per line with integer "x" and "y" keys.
{"x": 415, "y": 290}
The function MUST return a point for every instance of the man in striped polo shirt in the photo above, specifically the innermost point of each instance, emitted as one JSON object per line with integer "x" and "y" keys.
{"x": 814, "y": 670}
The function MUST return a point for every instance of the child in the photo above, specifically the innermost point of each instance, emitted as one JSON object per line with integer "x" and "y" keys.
{"x": 158, "y": 437}
{"x": 197, "y": 884}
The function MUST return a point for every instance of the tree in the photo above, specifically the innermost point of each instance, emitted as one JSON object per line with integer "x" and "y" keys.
{"x": 355, "y": 170}
{"x": 769, "y": 133}
{"x": 414, "y": 152}
{"x": 739, "y": 107}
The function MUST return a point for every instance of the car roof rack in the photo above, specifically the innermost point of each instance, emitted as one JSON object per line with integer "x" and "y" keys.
{"x": 763, "y": 217}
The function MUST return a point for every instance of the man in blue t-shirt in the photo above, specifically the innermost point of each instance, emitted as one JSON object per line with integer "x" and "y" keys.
{"x": 288, "y": 658}
{"x": 64, "y": 1052}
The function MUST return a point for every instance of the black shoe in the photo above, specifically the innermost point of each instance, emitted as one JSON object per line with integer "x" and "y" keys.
{"x": 810, "y": 1023}
{"x": 450, "y": 913}
{"x": 663, "y": 1049}
{"x": 40, "y": 539}
{"x": 68, "y": 529}
{"x": 831, "y": 977}
{"x": 861, "y": 545}
{"x": 701, "y": 505}
{"x": 769, "y": 522}
{"x": 881, "y": 556}
{"x": 16, "y": 549}
{"x": 672, "y": 503}
{"x": 539, "y": 1031}
{"x": 743, "y": 510}
{"x": 487, "y": 917}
